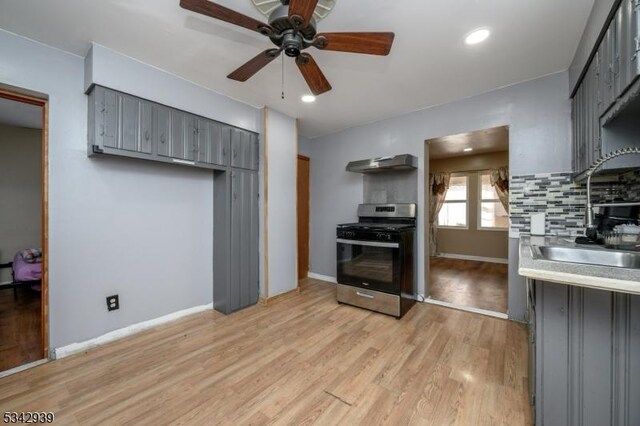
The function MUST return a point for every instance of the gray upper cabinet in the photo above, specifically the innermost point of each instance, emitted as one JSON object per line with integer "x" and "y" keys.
{"x": 120, "y": 122}
{"x": 213, "y": 142}
{"x": 162, "y": 130}
{"x": 244, "y": 149}
{"x": 610, "y": 83}
{"x": 124, "y": 125}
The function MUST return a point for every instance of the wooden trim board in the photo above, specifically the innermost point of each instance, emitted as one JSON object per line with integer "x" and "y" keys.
{"x": 265, "y": 202}
{"x": 287, "y": 295}
{"x": 44, "y": 205}
{"x": 473, "y": 258}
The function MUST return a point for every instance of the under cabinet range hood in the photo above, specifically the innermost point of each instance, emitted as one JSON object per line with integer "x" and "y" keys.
{"x": 384, "y": 164}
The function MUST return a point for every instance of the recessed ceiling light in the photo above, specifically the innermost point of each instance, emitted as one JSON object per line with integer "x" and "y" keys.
{"x": 477, "y": 36}
{"x": 308, "y": 99}
{"x": 468, "y": 149}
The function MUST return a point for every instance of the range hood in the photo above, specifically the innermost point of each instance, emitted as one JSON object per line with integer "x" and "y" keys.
{"x": 384, "y": 164}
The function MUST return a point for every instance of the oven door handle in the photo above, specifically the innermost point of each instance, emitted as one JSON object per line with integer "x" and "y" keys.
{"x": 367, "y": 243}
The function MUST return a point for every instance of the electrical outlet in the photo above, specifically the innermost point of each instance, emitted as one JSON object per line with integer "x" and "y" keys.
{"x": 113, "y": 302}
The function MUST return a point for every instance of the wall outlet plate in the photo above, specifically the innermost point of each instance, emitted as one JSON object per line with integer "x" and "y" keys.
{"x": 113, "y": 302}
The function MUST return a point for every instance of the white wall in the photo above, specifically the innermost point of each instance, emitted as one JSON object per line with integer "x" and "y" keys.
{"x": 304, "y": 146}
{"x": 20, "y": 192}
{"x": 538, "y": 113}
{"x": 139, "y": 229}
{"x": 282, "y": 150}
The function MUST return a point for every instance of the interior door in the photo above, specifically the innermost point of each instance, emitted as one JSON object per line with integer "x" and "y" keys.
{"x": 303, "y": 216}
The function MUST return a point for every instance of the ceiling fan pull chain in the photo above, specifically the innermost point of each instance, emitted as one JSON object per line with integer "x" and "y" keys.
{"x": 282, "y": 60}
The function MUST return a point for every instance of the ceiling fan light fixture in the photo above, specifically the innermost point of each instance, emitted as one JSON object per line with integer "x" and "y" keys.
{"x": 477, "y": 36}
{"x": 307, "y": 99}
{"x": 468, "y": 149}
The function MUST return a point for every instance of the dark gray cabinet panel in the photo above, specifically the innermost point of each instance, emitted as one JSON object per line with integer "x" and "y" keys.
{"x": 244, "y": 149}
{"x": 587, "y": 363}
{"x": 183, "y": 135}
{"x": 212, "y": 142}
{"x": 162, "y": 130}
{"x": 236, "y": 279}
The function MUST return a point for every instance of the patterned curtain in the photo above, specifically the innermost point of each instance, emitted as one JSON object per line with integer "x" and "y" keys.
{"x": 500, "y": 181}
{"x": 439, "y": 184}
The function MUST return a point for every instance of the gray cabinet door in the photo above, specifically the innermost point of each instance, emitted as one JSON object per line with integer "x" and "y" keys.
{"x": 178, "y": 131}
{"x": 630, "y": 41}
{"x": 203, "y": 141}
{"x": 110, "y": 114}
{"x": 220, "y": 143}
{"x": 244, "y": 149}
{"x": 244, "y": 239}
{"x": 162, "y": 130}
{"x": 134, "y": 124}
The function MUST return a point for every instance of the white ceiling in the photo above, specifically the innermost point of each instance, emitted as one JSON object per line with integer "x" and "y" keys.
{"x": 428, "y": 65}
{"x": 19, "y": 114}
{"x": 484, "y": 141}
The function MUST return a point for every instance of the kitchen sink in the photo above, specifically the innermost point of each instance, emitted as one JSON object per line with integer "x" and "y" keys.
{"x": 589, "y": 256}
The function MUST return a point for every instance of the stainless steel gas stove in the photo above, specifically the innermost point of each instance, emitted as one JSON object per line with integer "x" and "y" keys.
{"x": 376, "y": 259}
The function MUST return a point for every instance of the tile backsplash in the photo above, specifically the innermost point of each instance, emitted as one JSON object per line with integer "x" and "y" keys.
{"x": 561, "y": 199}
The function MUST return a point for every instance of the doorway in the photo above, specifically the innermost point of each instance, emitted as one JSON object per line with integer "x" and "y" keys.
{"x": 468, "y": 220}
{"x": 303, "y": 188}
{"x": 23, "y": 231}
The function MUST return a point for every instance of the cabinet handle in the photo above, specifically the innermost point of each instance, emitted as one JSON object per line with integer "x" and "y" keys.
{"x": 102, "y": 130}
{"x": 637, "y": 49}
{"x": 162, "y": 139}
{"x": 104, "y": 107}
{"x": 235, "y": 153}
{"x": 146, "y": 135}
{"x": 224, "y": 152}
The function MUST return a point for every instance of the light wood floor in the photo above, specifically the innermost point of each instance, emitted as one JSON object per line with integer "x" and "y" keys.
{"x": 20, "y": 340}
{"x": 469, "y": 283}
{"x": 302, "y": 360}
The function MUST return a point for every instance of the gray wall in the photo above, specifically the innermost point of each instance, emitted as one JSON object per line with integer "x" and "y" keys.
{"x": 282, "y": 150}
{"x": 136, "y": 228}
{"x": 304, "y": 146}
{"x": 537, "y": 112}
{"x": 20, "y": 192}
{"x": 599, "y": 13}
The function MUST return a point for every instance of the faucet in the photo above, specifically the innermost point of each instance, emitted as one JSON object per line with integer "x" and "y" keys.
{"x": 592, "y": 231}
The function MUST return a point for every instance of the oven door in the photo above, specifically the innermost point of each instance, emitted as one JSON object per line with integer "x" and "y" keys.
{"x": 369, "y": 264}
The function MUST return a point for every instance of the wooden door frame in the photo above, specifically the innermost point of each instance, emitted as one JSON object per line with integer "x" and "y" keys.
{"x": 307, "y": 159}
{"x": 44, "y": 294}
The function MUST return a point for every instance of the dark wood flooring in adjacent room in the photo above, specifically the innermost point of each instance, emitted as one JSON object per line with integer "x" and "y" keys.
{"x": 301, "y": 360}
{"x": 20, "y": 341}
{"x": 469, "y": 283}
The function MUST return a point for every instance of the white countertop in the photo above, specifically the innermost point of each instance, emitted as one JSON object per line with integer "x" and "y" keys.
{"x": 599, "y": 277}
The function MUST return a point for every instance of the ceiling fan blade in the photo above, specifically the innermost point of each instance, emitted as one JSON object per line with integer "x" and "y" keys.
{"x": 222, "y": 13}
{"x": 312, "y": 74}
{"x": 368, "y": 43}
{"x": 249, "y": 69}
{"x": 301, "y": 11}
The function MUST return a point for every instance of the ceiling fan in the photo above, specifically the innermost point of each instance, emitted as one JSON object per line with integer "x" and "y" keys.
{"x": 292, "y": 29}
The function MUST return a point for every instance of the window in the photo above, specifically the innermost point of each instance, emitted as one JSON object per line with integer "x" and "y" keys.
{"x": 492, "y": 214}
{"x": 454, "y": 210}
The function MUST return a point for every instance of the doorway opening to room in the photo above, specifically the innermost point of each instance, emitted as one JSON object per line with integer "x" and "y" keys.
{"x": 23, "y": 231}
{"x": 468, "y": 199}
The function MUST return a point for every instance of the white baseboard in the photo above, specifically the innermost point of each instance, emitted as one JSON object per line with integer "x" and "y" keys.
{"x": 322, "y": 277}
{"x": 467, "y": 308}
{"x": 75, "y": 348}
{"x": 476, "y": 258}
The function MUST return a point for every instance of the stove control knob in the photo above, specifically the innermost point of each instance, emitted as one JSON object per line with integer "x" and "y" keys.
{"x": 351, "y": 234}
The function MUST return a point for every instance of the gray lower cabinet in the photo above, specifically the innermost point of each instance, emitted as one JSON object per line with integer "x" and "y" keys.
{"x": 124, "y": 125}
{"x": 235, "y": 253}
{"x": 586, "y": 347}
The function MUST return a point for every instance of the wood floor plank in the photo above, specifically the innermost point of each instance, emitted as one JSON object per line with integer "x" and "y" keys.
{"x": 302, "y": 360}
